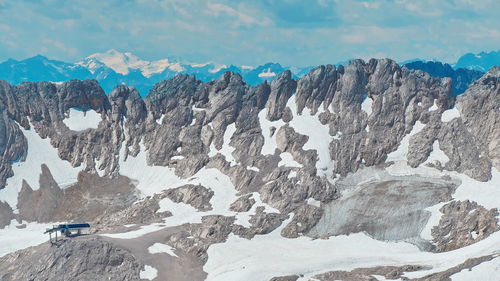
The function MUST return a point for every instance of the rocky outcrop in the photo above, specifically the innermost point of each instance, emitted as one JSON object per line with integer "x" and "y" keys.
{"x": 463, "y": 223}
{"x": 81, "y": 259}
{"x": 141, "y": 212}
{"x": 479, "y": 111}
{"x": 243, "y": 204}
{"x": 197, "y": 196}
{"x": 91, "y": 197}
{"x": 6, "y": 214}
{"x": 304, "y": 219}
{"x": 196, "y": 239}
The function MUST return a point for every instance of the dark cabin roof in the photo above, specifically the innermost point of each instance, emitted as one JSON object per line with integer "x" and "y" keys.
{"x": 74, "y": 225}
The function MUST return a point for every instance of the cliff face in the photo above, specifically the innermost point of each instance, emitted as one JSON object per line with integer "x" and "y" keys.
{"x": 291, "y": 145}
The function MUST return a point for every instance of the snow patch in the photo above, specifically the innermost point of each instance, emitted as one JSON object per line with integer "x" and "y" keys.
{"x": 437, "y": 155}
{"x": 313, "y": 202}
{"x": 433, "y": 107}
{"x": 402, "y": 151}
{"x": 159, "y": 121}
{"x": 288, "y": 161}
{"x": 78, "y": 120}
{"x": 337, "y": 136}
{"x": 181, "y": 213}
{"x": 366, "y": 106}
{"x": 450, "y": 114}
{"x": 226, "y": 149}
{"x": 269, "y": 141}
{"x": 161, "y": 248}
{"x": 252, "y": 168}
{"x": 319, "y": 136}
{"x": 148, "y": 273}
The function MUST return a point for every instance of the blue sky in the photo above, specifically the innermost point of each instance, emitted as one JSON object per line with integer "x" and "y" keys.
{"x": 250, "y": 32}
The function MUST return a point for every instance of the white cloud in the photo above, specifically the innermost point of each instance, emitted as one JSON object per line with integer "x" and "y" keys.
{"x": 250, "y": 32}
{"x": 243, "y": 19}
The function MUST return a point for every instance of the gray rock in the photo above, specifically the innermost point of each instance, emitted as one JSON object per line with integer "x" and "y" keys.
{"x": 463, "y": 223}
{"x": 197, "y": 196}
{"x": 72, "y": 259}
{"x": 242, "y": 204}
{"x": 6, "y": 214}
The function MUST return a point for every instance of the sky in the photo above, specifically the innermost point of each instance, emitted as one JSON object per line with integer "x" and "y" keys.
{"x": 250, "y": 32}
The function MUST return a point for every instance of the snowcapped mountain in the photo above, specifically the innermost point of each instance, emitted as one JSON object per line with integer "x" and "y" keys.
{"x": 123, "y": 63}
{"x": 112, "y": 68}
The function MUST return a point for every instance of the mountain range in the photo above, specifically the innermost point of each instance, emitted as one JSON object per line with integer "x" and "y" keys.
{"x": 368, "y": 171}
{"x": 113, "y": 68}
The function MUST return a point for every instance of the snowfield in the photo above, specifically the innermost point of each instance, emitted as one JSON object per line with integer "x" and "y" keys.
{"x": 82, "y": 120}
{"x": 17, "y": 236}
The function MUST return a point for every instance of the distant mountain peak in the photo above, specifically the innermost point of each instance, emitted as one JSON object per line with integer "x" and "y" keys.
{"x": 482, "y": 61}
{"x": 123, "y": 63}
